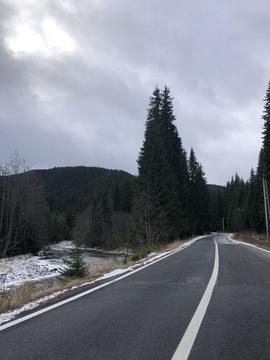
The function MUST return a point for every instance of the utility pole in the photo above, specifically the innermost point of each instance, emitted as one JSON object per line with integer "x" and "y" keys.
{"x": 266, "y": 206}
{"x": 267, "y": 199}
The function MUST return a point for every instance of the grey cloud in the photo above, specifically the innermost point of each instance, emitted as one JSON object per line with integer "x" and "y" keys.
{"x": 89, "y": 107}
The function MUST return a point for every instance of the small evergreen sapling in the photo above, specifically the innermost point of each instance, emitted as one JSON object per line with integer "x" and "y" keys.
{"x": 76, "y": 267}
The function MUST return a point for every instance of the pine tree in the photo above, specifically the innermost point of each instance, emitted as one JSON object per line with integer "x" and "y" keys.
{"x": 176, "y": 175}
{"x": 257, "y": 202}
{"x": 251, "y": 200}
{"x": 76, "y": 267}
{"x": 199, "y": 197}
{"x": 161, "y": 191}
{"x": 147, "y": 209}
{"x": 266, "y": 136}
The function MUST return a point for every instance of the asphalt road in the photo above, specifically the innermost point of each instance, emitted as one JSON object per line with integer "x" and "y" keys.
{"x": 237, "y": 322}
{"x": 145, "y": 315}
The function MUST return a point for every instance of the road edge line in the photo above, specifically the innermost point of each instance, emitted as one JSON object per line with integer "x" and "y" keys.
{"x": 84, "y": 293}
{"x": 184, "y": 348}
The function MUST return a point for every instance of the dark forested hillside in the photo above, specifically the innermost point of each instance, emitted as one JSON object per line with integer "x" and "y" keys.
{"x": 103, "y": 194}
{"x": 73, "y": 188}
{"x": 42, "y": 206}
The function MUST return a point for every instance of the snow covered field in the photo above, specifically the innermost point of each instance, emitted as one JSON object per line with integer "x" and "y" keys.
{"x": 19, "y": 269}
{"x": 23, "y": 268}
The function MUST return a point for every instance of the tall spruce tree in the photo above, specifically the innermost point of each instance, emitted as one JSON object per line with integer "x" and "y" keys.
{"x": 176, "y": 176}
{"x": 266, "y": 135}
{"x": 199, "y": 197}
{"x": 258, "y": 204}
{"x": 161, "y": 193}
{"x": 147, "y": 208}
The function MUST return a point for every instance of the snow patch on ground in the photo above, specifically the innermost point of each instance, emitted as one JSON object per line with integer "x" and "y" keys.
{"x": 115, "y": 273}
{"x": 25, "y": 268}
{"x": 230, "y": 237}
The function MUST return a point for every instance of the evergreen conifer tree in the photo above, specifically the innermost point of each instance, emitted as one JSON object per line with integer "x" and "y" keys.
{"x": 257, "y": 203}
{"x": 147, "y": 207}
{"x": 254, "y": 198}
{"x": 266, "y": 135}
{"x": 199, "y": 197}
{"x": 76, "y": 267}
{"x": 161, "y": 191}
{"x": 175, "y": 180}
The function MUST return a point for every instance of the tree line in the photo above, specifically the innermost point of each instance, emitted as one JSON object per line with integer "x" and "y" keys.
{"x": 244, "y": 200}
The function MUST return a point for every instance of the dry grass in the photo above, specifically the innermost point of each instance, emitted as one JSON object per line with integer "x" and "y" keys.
{"x": 253, "y": 238}
{"x": 174, "y": 245}
{"x": 19, "y": 296}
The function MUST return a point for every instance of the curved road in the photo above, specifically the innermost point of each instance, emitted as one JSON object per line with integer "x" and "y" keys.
{"x": 146, "y": 315}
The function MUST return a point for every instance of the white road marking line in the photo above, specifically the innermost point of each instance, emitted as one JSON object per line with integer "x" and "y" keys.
{"x": 75, "y": 297}
{"x": 184, "y": 348}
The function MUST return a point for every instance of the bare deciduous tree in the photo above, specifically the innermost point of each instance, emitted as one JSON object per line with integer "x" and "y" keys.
{"x": 12, "y": 227}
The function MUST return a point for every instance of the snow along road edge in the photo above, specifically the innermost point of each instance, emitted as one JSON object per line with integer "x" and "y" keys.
{"x": 75, "y": 297}
{"x": 184, "y": 348}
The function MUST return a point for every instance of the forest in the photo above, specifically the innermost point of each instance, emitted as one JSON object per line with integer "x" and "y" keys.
{"x": 167, "y": 200}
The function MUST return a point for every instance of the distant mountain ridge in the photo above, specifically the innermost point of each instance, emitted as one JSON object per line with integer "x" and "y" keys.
{"x": 79, "y": 184}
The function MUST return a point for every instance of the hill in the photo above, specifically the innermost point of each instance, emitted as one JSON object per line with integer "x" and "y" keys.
{"x": 55, "y": 204}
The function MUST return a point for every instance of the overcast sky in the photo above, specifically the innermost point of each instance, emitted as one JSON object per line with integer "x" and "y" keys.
{"x": 76, "y": 77}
